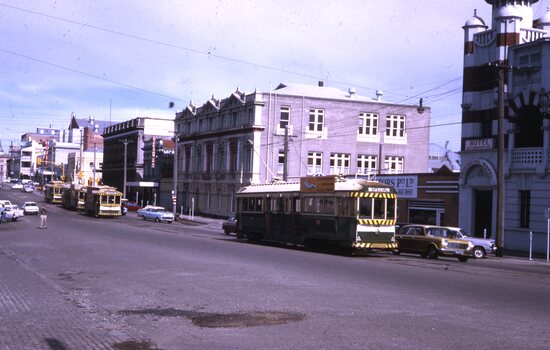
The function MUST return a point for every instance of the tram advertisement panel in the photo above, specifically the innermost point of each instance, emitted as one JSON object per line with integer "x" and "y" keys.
{"x": 317, "y": 184}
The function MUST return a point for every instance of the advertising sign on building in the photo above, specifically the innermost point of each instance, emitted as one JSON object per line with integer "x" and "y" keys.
{"x": 405, "y": 185}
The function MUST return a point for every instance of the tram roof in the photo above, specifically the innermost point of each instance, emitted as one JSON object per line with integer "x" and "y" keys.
{"x": 285, "y": 187}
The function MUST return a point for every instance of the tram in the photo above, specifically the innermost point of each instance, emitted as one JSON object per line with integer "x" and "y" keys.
{"x": 72, "y": 197}
{"x": 102, "y": 201}
{"x": 52, "y": 192}
{"x": 354, "y": 214}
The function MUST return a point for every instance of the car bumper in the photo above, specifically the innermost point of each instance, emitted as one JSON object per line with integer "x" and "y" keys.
{"x": 455, "y": 252}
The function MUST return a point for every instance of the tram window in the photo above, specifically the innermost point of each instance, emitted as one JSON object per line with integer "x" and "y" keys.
{"x": 297, "y": 205}
{"x": 329, "y": 206}
{"x": 391, "y": 209}
{"x": 274, "y": 205}
{"x": 309, "y": 205}
{"x": 379, "y": 207}
{"x": 365, "y": 207}
{"x": 259, "y": 205}
{"x": 318, "y": 204}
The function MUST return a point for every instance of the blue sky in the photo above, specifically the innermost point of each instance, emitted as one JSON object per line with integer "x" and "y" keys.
{"x": 116, "y": 60}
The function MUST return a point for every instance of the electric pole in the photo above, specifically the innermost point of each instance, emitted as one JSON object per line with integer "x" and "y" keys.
{"x": 500, "y": 170}
{"x": 125, "y": 142}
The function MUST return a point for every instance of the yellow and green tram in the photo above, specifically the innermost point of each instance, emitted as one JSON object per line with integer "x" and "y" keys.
{"x": 350, "y": 213}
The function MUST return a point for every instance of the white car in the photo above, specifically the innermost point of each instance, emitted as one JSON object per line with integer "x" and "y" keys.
{"x": 30, "y": 208}
{"x": 13, "y": 212}
{"x": 157, "y": 214}
{"x": 17, "y": 186}
{"x": 145, "y": 208}
{"x": 4, "y": 202}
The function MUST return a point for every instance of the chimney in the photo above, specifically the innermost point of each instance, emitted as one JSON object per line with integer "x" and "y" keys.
{"x": 321, "y": 83}
{"x": 379, "y": 94}
{"x": 351, "y": 92}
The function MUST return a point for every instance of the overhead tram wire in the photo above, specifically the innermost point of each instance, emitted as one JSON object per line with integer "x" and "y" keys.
{"x": 175, "y": 46}
{"x": 88, "y": 74}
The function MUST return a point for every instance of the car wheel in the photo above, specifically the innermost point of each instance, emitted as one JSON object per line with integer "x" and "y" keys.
{"x": 144, "y": 219}
{"x": 431, "y": 253}
{"x": 462, "y": 258}
{"x": 226, "y": 231}
{"x": 479, "y": 253}
{"x": 157, "y": 220}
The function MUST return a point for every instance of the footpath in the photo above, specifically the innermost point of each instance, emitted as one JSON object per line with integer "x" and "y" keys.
{"x": 35, "y": 315}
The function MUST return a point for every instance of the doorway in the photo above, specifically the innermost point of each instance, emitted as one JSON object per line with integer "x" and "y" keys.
{"x": 483, "y": 213}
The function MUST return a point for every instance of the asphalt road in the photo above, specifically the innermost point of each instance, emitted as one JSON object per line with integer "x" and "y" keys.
{"x": 180, "y": 286}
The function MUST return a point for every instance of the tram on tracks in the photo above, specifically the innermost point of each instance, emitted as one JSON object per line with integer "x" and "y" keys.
{"x": 72, "y": 197}
{"x": 354, "y": 214}
{"x": 52, "y": 192}
{"x": 102, "y": 201}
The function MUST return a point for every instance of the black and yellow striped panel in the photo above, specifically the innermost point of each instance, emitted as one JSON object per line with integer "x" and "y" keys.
{"x": 372, "y": 195}
{"x": 376, "y": 222}
{"x": 364, "y": 245}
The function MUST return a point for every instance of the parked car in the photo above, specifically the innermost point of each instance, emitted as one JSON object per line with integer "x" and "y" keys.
{"x": 30, "y": 208}
{"x": 4, "y": 202}
{"x": 17, "y": 186}
{"x": 27, "y": 189}
{"x": 433, "y": 241}
{"x": 147, "y": 207}
{"x": 482, "y": 246}
{"x": 157, "y": 214}
{"x": 13, "y": 212}
{"x": 230, "y": 225}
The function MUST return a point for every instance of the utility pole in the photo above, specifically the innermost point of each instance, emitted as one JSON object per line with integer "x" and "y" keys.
{"x": 500, "y": 170}
{"x": 125, "y": 141}
{"x": 95, "y": 150}
{"x": 175, "y": 189}
{"x": 285, "y": 164}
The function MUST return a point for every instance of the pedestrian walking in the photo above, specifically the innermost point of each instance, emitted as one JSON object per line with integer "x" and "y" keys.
{"x": 43, "y": 217}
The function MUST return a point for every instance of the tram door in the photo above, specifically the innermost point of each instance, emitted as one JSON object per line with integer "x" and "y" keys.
{"x": 483, "y": 213}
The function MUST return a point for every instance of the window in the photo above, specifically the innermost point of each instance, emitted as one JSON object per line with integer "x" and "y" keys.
{"x": 393, "y": 165}
{"x": 234, "y": 117}
{"x": 314, "y": 163}
{"x": 281, "y": 162}
{"x": 316, "y": 119}
{"x": 368, "y": 124}
{"x": 339, "y": 163}
{"x": 209, "y": 158}
{"x": 395, "y": 126}
{"x": 524, "y": 208}
{"x": 366, "y": 164}
{"x": 285, "y": 117}
{"x": 233, "y": 156}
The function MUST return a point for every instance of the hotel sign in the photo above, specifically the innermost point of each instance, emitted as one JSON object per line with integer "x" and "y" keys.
{"x": 478, "y": 144}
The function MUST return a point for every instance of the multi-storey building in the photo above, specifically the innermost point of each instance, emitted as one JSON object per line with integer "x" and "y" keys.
{"x": 123, "y": 145}
{"x": 290, "y": 132}
{"x": 517, "y": 48}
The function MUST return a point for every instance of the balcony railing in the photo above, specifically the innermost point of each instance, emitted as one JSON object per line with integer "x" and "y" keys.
{"x": 527, "y": 158}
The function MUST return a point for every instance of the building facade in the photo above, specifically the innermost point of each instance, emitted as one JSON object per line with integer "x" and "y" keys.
{"x": 291, "y": 132}
{"x": 123, "y": 145}
{"x": 515, "y": 47}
